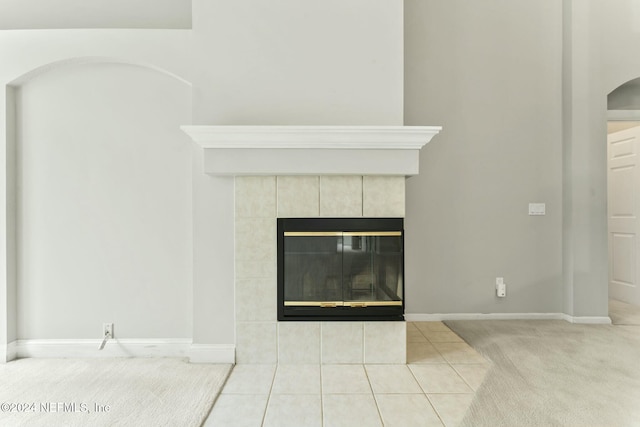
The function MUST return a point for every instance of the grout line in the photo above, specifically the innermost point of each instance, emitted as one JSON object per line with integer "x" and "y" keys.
{"x": 218, "y": 395}
{"x": 321, "y": 398}
{"x": 375, "y": 400}
{"x": 364, "y": 345}
{"x": 473, "y": 390}
{"x": 266, "y": 407}
{"x": 424, "y": 393}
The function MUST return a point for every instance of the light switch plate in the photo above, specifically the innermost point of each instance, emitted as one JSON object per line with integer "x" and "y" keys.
{"x": 537, "y": 208}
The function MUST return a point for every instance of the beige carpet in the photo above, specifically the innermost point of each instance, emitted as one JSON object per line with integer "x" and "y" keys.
{"x": 139, "y": 392}
{"x": 623, "y": 314}
{"x": 553, "y": 373}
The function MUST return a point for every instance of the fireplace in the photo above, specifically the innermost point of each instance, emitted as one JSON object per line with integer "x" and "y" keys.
{"x": 340, "y": 269}
{"x": 299, "y": 172}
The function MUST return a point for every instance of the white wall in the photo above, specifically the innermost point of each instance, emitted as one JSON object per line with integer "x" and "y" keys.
{"x": 32, "y": 14}
{"x": 489, "y": 73}
{"x": 104, "y": 203}
{"x": 282, "y": 62}
{"x": 304, "y": 62}
{"x": 285, "y": 62}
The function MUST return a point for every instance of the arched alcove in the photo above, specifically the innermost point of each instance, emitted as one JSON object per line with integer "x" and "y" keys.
{"x": 102, "y": 184}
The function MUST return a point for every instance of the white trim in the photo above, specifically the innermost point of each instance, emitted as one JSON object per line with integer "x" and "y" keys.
{"x": 482, "y": 316}
{"x": 319, "y": 137}
{"x": 7, "y": 352}
{"x": 623, "y": 115}
{"x": 588, "y": 320}
{"x": 12, "y": 351}
{"x": 171, "y": 347}
{"x": 311, "y": 150}
{"x": 212, "y": 353}
{"x": 603, "y": 320}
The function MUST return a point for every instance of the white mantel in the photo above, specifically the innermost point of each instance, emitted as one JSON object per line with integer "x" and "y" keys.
{"x": 311, "y": 150}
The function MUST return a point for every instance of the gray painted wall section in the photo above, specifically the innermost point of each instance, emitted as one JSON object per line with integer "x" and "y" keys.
{"x": 489, "y": 73}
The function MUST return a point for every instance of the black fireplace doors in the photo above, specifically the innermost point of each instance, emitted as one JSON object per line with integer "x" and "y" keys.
{"x": 340, "y": 269}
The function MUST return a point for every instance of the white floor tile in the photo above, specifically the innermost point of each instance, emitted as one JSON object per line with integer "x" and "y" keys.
{"x": 297, "y": 379}
{"x": 286, "y": 410}
{"x": 237, "y": 410}
{"x": 392, "y": 379}
{"x": 423, "y": 352}
{"x": 344, "y": 379}
{"x": 431, "y": 326}
{"x": 385, "y": 342}
{"x": 451, "y": 407}
{"x": 250, "y": 379}
{"x": 439, "y": 379}
{"x": 442, "y": 336}
{"x": 472, "y": 374}
{"x": 407, "y": 410}
{"x": 347, "y": 410}
{"x": 414, "y": 335}
{"x": 459, "y": 353}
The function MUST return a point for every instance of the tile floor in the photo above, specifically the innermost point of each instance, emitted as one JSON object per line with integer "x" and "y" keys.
{"x": 434, "y": 388}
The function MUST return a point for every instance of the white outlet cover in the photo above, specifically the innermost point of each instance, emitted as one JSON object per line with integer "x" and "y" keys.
{"x": 537, "y": 208}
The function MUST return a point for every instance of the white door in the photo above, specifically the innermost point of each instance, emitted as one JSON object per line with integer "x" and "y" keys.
{"x": 624, "y": 224}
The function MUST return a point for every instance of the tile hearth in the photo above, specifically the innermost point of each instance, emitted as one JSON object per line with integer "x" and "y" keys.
{"x": 435, "y": 388}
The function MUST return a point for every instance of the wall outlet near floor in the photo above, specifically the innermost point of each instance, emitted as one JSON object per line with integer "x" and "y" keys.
{"x": 501, "y": 287}
{"x": 107, "y": 329}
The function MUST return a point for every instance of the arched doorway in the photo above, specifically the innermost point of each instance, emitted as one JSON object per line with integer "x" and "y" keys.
{"x": 623, "y": 202}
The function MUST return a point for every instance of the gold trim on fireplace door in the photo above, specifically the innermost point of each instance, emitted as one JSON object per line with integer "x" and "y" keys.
{"x": 372, "y": 233}
{"x": 312, "y": 233}
{"x": 341, "y": 303}
{"x": 340, "y": 233}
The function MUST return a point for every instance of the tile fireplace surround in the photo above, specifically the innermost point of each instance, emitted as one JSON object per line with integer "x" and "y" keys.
{"x": 314, "y": 171}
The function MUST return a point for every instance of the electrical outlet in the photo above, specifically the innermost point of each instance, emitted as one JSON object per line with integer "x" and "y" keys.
{"x": 107, "y": 328}
{"x": 501, "y": 287}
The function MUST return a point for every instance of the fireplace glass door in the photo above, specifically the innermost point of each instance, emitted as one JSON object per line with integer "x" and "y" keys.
{"x": 355, "y": 271}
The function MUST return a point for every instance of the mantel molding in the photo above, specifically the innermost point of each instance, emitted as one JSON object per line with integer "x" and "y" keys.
{"x": 311, "y": 150}
{"x": 317, "y": 137}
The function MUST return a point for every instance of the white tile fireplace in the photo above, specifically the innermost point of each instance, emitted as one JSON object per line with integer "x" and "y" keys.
{"x": 307, "y": 171}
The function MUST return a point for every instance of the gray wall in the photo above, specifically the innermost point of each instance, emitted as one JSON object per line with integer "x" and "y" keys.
{"x": 490, "y": 73}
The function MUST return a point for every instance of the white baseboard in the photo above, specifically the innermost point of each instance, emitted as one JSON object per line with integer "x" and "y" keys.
{"x": 7, "y": 352}
{"x": 12, "y": 351}
{"x": 77, "y": 348}
{"x": 482, "y": 316}
{"x": 588, "y": 320}
{"x": 212, "y": 353}
{"x": 595, "y": 320}
{"x": 89, "y": 348}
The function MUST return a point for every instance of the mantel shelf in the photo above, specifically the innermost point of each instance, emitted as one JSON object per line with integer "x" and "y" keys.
{"x": 311, "y": 150}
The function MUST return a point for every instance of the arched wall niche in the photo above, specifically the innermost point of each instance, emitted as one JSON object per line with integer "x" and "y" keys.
{"x": 51, "y": 66}
{"x": 104, "y": 159}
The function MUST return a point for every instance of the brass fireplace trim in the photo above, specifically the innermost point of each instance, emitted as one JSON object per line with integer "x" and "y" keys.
{"x": 332, "y": 304}
{"x": 340, "y": 233}
{"x": 311, "y": 233}
{"x": 372, "y": 233}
